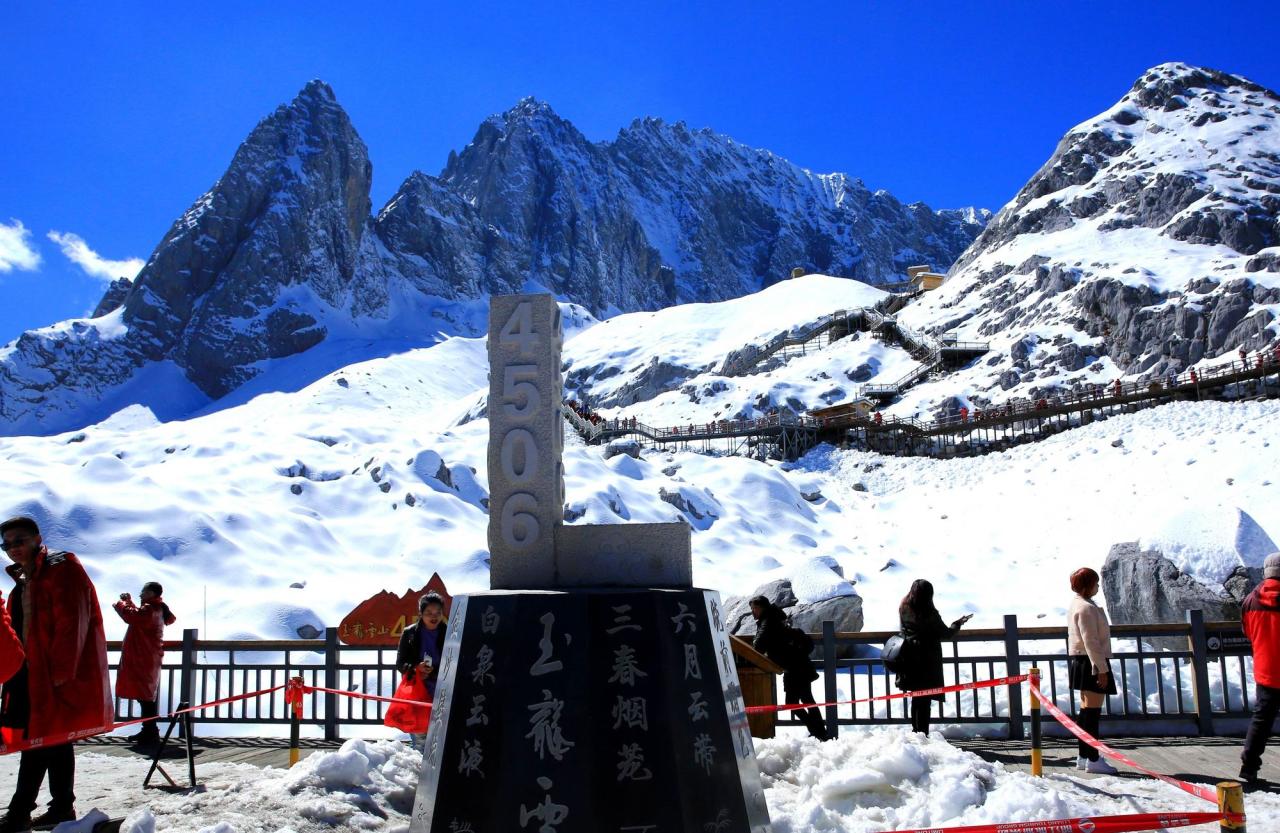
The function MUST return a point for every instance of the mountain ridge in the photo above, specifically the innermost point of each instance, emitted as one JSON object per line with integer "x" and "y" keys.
{"x": 284, "y": 250}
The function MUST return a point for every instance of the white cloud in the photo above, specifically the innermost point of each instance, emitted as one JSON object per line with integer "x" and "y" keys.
{"x": 94, "y": 264}
{"x": 15, "y": 248}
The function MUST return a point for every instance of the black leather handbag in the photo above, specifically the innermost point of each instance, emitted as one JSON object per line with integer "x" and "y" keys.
{"x": 895, "y": 652}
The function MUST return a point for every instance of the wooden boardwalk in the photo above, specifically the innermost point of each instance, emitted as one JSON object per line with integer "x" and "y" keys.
{"x": 1196, "y": 760}
{"x": 261, "y": 752}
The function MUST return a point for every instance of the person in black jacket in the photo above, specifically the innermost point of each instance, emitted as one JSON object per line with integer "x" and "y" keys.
{"x": 921, "y": 666}
{"x": 421, "y": 645}
{"x": 772, "y": 640}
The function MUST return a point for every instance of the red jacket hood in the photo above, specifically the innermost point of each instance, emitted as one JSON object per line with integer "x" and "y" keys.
{"x": 1269, "y": 593}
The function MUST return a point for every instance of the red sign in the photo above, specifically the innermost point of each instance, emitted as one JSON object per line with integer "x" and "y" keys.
{"x": 381, "y": 619}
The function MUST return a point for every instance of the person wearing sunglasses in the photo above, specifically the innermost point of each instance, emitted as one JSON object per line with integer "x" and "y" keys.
{"x": 63, "y": 687}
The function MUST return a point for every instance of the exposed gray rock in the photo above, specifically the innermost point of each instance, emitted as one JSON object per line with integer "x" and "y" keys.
{"x": 1144, "y": 587}
{"x": 844, "y": 611}
{"x": 114, "y": 297}
{"x": 631, "y": 448}
{"x": 1242, "y": 581}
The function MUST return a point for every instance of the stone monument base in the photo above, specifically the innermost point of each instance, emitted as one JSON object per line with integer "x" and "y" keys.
{"x": 589, "y": 711}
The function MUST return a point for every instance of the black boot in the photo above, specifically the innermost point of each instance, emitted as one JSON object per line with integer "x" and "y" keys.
{"x": 12, "y": 822}
{"x": 53, "y": 816}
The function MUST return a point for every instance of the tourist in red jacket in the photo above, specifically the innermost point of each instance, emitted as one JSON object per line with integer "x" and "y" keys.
{"x": 1261, "y": 618}
{"x": 64, "y": 687}
{"x": 139, "y": 675}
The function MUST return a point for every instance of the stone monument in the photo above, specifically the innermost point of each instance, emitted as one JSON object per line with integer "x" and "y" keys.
{"x": 593, "y": 689}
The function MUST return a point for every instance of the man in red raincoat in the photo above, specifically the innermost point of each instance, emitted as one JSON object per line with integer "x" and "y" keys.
{"x": 139, "y": 675}
{"x": 63, "y": 687}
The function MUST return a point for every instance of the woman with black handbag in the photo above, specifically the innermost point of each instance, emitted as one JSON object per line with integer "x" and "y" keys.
{"x": 920, "y": 661}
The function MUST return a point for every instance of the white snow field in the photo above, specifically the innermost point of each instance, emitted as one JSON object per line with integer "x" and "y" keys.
{"x": 869, "y": 780}
{"x": 289, "y": 508}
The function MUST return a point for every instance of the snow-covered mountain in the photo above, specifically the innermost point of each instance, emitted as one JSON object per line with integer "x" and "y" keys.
{"x": 357, "y": 465}
{"x": 1149, "y": 242}
{"x": 282, "y": 254}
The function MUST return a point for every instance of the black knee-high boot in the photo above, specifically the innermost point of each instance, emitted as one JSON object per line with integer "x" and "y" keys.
{"x": 1089, "y": 719}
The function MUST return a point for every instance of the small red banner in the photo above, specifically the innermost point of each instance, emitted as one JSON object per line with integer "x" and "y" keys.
{"x": 380, "y": 619}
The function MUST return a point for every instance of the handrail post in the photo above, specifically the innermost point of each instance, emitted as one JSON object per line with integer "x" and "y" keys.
{"x": 1200, "y": 676}
{"x": 1013, "y": 668}
{"x": 187, "y": 677}
{"x": 829, "y": 674}
{"x": 331, "y": 682}
{"x": 1037, "y": 739}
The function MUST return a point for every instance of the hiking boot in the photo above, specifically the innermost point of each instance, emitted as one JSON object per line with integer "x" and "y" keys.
{"x": 1249, "y": 777}
{"x": 1101, "y": 767}
{"x": 52, "y": 817}
{"x": 12, "y": 822}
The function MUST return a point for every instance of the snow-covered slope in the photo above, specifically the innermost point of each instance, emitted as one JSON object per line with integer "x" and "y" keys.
{"x": 368, "y": 479}
{"x": 1149, "y": 242}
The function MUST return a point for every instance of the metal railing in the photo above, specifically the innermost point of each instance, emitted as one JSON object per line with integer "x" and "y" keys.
{"x": 1190, "y": 686}
{"x": 1187, "y": 687}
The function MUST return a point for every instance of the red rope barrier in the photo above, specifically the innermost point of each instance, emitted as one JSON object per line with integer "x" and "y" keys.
{"x": 307, "y": 689}
{"x": 81, "y": 734}
{"x": 1198, "y": 790}
{"x": 928, "y": 692}
{"x": 1090, "y": 824}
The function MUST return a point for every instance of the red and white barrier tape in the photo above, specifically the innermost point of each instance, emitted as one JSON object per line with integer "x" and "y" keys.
{"x": 1091, "y": 824}
{"x": 81, "y": 734}
{"x": 307, "y": 689}
{"x": 1198, "y": 790}
{"x": 928, "y": 692}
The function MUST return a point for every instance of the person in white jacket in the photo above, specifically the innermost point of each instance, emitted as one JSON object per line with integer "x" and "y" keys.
{"x": 1089, "y": 663}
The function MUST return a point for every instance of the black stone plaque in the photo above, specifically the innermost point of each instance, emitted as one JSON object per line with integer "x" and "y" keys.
{"x": 610, "y": 711}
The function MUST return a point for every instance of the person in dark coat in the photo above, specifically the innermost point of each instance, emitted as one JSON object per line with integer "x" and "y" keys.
{"x": 142, "y": 655}
{"x": 798, "y": 672}
{"x": 421, "y": 645}
{"x": 921, "y": 666}
{"x": 64, "y": 687}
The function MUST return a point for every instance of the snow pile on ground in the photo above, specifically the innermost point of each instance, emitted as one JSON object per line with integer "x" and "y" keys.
{"x": 893, "y": 779}
{"x": 365, "y": 785}
{"x": 869, "y": 780}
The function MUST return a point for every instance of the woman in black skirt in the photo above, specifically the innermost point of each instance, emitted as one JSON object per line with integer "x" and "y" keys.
{"x": 1089, "y": 663}
{"x": 921, "y": 667}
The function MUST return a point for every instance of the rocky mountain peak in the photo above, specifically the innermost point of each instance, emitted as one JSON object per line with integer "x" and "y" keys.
{"x": 1169, "y": 86}
{"x": 281, "y": 252}
{"x": 290, "y": 211}
{"x": 1147, "y": 243}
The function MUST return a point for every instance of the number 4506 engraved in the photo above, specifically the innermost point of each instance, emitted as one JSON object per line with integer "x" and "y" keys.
{"x": 519, "y": 455}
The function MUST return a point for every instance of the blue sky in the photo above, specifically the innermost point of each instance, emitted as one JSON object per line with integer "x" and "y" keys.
{"x": 112, "y": 121}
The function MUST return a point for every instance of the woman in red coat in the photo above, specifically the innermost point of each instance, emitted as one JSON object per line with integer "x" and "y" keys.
{"x": 143, "y": 651}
